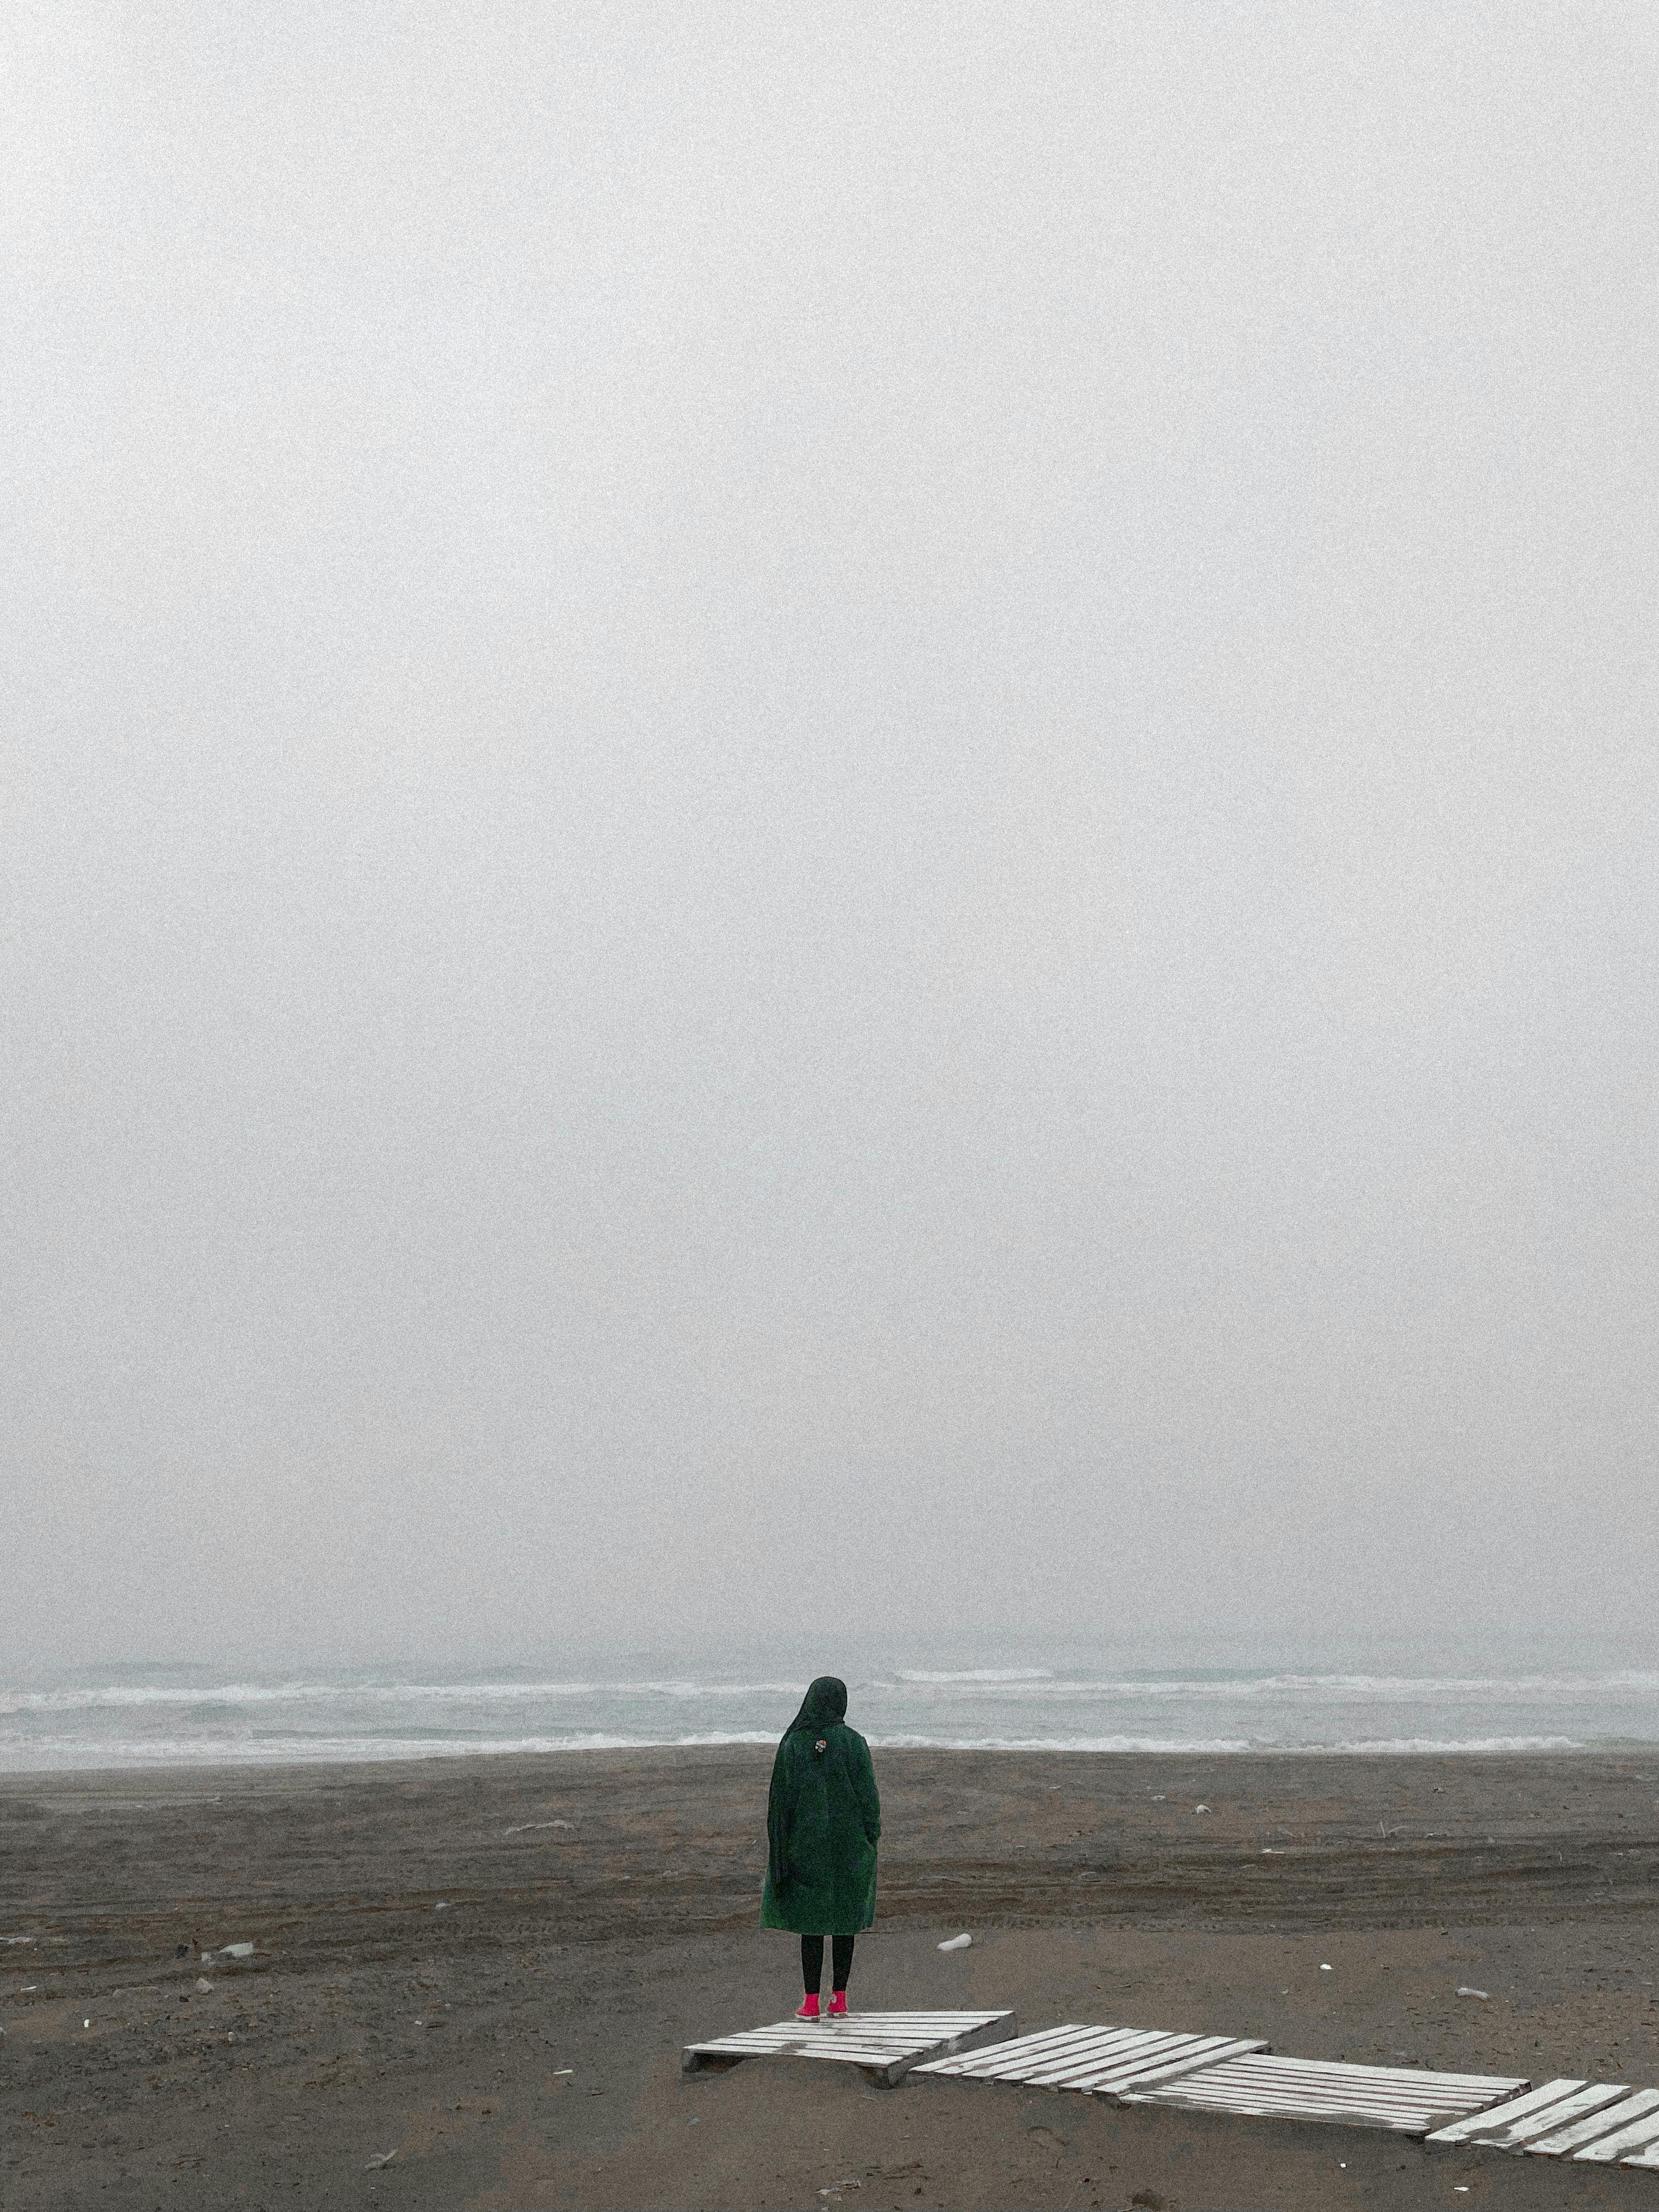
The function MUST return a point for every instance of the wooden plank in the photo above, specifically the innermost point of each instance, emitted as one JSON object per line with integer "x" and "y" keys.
{"x": 1198, "y": 2086}
{"x": 1561, "y": 2140}
{"x": 849, "y": 2054}
{"x": 1211, "y": 2050}
{"x": 1104, "y": 2044}
{"x": 1019, "y": 2051}
{"x": 1631, "y": 2132}
{"x": 1341, "y": 2075}
{"x": 1127, "y": 2064}
{"x": 1135, "y": 2065}
{"x": 1403, "y": 2099}
{"x": 1338, "y": 2071}
{"x": 1399, "y": 2119}
{"x": 993, "y": 2068}
{"x": 1445, "y": 2094}
{"x": 1587, "y": 2097}
{"x": 1488, "y": 2126}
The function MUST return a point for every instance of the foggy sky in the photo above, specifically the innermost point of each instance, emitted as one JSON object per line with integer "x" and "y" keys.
{"x": 841, "y": 811}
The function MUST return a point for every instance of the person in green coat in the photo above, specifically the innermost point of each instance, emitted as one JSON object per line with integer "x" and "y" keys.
{"x": 822, "y": 1822}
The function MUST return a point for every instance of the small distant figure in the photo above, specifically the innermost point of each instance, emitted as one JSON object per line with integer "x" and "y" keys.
{"x": 823, "y": 1823}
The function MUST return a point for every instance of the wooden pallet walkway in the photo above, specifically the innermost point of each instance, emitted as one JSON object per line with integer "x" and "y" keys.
{"x": 883, "y": 2045}
{"x": 1599, "y": 2123}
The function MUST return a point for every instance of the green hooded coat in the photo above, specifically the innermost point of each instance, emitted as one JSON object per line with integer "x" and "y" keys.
{"x": 823, "y": 1821}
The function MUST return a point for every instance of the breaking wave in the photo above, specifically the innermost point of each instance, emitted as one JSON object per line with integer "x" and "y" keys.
{"x": 154, "y": 1717}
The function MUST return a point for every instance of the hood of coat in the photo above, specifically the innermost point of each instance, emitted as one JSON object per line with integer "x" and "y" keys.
{"x": 824, "y": 1704}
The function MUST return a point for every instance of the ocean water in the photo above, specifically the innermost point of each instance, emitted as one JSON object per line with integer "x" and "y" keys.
{"x": 154, "y": 1716}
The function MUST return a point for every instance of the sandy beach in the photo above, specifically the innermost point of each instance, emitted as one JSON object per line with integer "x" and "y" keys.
{"x": 520, "y": 2047}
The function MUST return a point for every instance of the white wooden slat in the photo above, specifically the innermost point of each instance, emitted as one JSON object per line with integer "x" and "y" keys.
{"x": 1175, "y": 2052}
{"x": 996, "y": 2069}
{"x": 1211, "y": 2050}
{"x": 1091, "y": 2059}
{"x": 1405, "y": 2100}
{"x": 1017, "y": 2052}
{"x": 1353, "y": 2111}
{"x": 1587, "y": 2097}
{"x": 853, "y": 2054}
{"x": 1121, "y": 2065}
{"x": 1348, "y": 2083}
{"x": 1636, "y": 2124}
{"x": 772, "y": 2040}
{"x": 1082, "y": 2044}
{"x": 1040, "y": 2035}
{"x": 1105, "y": 2045}
{"x": 1284, "y": 2067}
{"x": 1572, "y": 2137}
{"x": 778, "y": 2038}
{"x": 844, "y": 2039}
{"x": 1194, "y": 2087}
{"x": 1342, "y": 2074}
{"x": 1102, "y": 2051}
{"x": 1142, "y": 2038}
{"x": 1486, "y": 2127}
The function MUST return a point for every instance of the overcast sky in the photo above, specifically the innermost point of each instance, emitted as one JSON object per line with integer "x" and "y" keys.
{"x": 827, "y": 812}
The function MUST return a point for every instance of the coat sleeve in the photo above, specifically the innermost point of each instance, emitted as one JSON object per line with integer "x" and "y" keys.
{"x": 869, "y": 1800}
{"x": 780, "y": 1809}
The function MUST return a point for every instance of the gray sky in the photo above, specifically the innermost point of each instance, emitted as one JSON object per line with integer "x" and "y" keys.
{"x": 854, "y": 799}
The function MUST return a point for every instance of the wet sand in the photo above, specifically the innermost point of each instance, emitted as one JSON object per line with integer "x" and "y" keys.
{"x": 599, "y": 1911}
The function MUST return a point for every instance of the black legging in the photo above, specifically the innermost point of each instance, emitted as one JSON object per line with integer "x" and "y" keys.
{"x": 812, "y": 1961}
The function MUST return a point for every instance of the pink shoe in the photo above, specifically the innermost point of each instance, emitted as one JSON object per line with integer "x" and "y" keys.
{"x": 809, "y": 2008}
{"x": 838, "y": 2006}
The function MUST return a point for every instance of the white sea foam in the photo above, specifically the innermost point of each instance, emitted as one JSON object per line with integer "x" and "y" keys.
{"x": 1218, "y": 1745}
{"x": 1028, "y": 1685}
{"x": 53, "y": 1753}
{"x": 1388, "y": 1746}
{"x": 998, "y": 1674}
{"x": 56, "y": 1753}
{"x": 116, "y": 1695}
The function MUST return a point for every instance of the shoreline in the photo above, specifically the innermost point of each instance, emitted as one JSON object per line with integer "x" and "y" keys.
{"x": 1383, "y": 1749}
